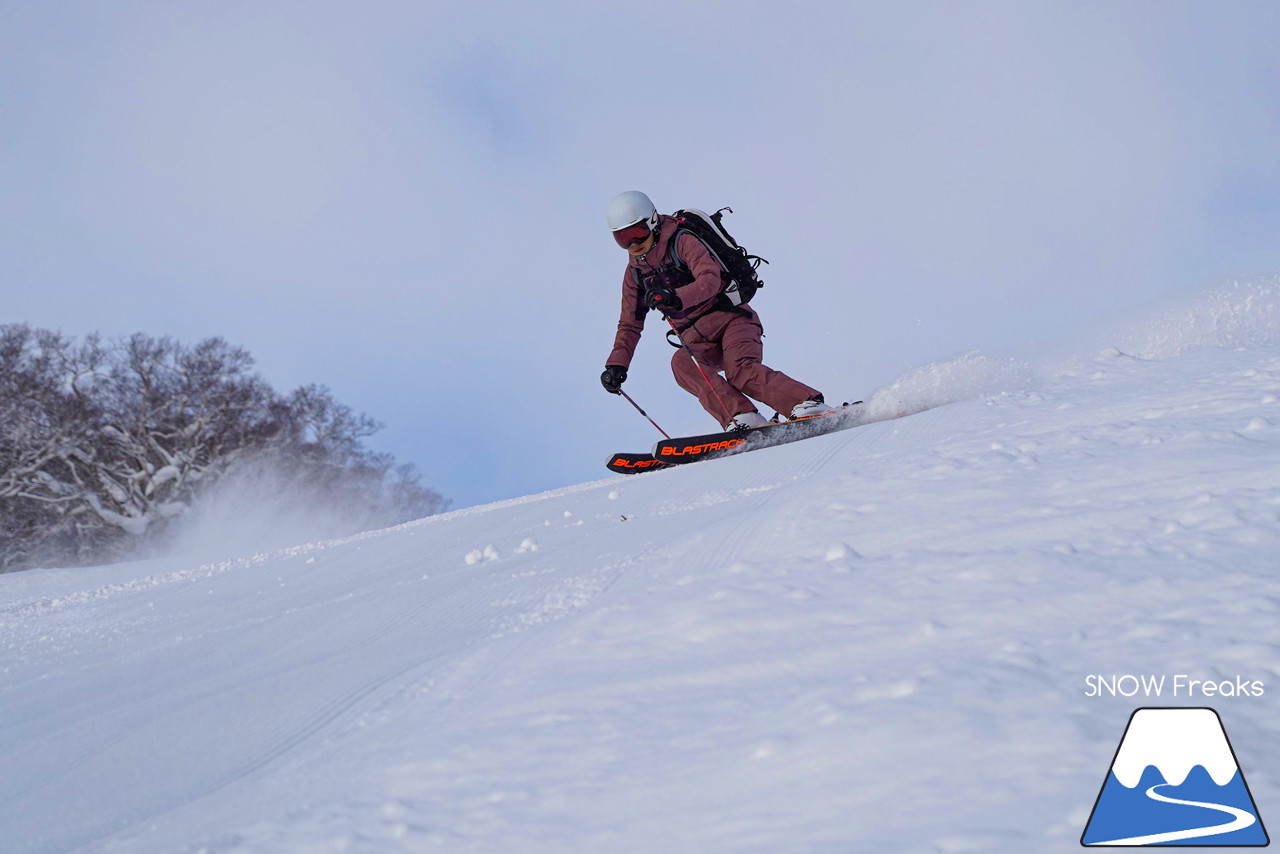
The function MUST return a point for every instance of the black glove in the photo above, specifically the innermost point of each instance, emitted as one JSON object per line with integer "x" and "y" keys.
{"x": 613, "y": 378}
{"x": 662, "y": 298}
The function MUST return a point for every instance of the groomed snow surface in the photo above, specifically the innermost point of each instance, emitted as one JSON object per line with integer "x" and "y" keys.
{"x": 871, "y": 641}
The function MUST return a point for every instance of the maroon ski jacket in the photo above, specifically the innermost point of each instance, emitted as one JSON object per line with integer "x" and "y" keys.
{"x": 698, "y": 297}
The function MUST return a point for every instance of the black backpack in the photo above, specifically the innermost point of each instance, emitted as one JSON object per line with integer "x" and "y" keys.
{"x": 741, "y": 280}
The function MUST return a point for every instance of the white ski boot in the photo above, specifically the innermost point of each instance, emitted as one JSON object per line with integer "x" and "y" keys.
{"x": 745, "y": 421}
{"x": 811, "y": 409}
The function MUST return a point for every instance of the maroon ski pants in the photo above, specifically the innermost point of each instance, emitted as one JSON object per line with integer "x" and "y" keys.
{"x": 733, "y": 347}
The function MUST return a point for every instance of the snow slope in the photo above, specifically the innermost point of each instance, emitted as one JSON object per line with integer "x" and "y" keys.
{"x": 871, "y": 641}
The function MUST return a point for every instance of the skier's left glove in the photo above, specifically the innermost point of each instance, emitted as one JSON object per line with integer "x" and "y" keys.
{"x": 663, "y": 298}
{"x": 613, "y": 378}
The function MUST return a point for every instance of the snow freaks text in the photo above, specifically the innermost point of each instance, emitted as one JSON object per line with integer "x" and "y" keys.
{"x": 1179, "y": 685}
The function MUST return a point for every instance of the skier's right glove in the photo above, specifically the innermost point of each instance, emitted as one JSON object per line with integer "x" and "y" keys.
{"x": 663, "y": 299}
{"x": 613, "y": 378}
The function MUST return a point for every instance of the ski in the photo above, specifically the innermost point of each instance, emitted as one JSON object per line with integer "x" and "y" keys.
{"x": 633, "y": 463}
{"x": 692, "y": 449}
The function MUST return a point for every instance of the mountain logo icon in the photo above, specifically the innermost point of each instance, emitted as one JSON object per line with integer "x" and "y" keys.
{"x": 1175, "y": 781}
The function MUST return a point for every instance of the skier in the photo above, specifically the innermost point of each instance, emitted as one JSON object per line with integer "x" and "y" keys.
{"x": 721, "y": 337}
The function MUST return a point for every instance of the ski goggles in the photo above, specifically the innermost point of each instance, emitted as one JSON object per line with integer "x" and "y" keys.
{"x": 637, "y": 233}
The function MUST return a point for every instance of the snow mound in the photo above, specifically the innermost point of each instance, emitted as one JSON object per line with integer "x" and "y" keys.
{"x": 1238, "y": 314}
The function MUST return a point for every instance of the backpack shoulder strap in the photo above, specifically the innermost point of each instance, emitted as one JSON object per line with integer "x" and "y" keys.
{"x": 673, "y": 248}
{"x": 674, "y": 253}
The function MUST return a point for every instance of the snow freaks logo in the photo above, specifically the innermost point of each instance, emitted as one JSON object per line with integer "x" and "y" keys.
{"x": 1175, "y": 781}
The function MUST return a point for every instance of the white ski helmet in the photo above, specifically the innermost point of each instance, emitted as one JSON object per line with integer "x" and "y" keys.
{"x": 628, "y": 209}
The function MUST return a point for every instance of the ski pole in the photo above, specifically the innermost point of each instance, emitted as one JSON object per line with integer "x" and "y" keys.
{"x": 727, "y": 415}
{"x": 642, "y": 412}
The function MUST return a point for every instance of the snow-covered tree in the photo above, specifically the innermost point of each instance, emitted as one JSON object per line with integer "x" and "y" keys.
{"x": 45, "y": 426}
{"x": 102, "y": 446}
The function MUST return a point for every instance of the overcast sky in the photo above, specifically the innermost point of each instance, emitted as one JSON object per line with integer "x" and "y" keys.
{"x": 405, "y": 200}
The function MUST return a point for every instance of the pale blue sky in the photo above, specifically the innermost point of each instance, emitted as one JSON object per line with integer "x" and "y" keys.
{"x": 405, "y": 201}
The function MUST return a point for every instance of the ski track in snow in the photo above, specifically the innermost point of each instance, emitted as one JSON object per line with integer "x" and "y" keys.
{"x": 872, "y": 640}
